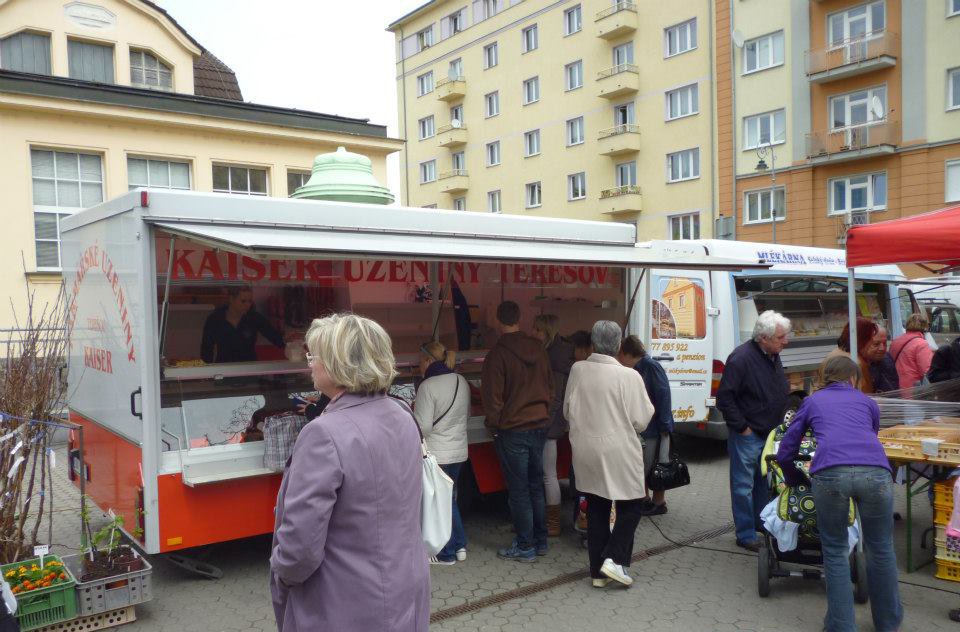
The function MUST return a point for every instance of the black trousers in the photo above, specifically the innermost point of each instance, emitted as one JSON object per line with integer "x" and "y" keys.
{"x": 601, "y": 541}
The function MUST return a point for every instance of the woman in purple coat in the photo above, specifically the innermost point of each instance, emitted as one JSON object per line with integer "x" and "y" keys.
{"x": 347, "y": 554}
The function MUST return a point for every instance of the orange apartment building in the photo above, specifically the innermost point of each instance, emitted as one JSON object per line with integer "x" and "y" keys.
{"x": 856, "y": 105}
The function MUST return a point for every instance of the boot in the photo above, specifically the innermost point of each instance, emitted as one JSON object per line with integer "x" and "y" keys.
{"x": 553, "y": 521}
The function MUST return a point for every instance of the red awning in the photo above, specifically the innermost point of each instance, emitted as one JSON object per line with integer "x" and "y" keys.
{"x": 932, "y": 238}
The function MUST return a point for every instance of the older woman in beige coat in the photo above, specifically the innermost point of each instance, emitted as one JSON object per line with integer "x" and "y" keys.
{"x": 607, "y": 406}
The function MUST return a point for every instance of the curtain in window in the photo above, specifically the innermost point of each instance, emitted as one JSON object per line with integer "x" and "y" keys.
{"x": 91, "y": 62}
{"x": 26, "y": 52}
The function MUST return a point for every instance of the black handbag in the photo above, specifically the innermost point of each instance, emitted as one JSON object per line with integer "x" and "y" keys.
{"x": 669, "y": 475}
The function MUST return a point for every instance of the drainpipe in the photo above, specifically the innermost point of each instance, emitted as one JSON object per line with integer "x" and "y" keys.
{"x": 713, "y": 128}
{"x": 733, "y": 115}
{"x": 403, "y": 95}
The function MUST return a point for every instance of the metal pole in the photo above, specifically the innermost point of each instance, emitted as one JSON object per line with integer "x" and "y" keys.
{"x": 852, "y": 311}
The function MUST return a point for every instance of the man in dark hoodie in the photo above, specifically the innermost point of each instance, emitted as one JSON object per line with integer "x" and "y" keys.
{"x": 516, "y": 398}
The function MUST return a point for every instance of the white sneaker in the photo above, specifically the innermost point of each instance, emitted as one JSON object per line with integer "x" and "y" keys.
{"x": 438, "y": 562}
{"x": 461, "y": 555}
{"x": 600, "y": 582}
{"x": 615, "y": 572}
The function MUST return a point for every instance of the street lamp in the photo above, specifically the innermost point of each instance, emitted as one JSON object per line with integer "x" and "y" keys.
{"x": 762, "y": 151}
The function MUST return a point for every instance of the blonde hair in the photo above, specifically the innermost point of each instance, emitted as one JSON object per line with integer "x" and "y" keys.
{"x": 549, "y": 324}
{"x": 435, "y": 351}
{"x": 917, "y": 322}
{"x": 356, "y": 352}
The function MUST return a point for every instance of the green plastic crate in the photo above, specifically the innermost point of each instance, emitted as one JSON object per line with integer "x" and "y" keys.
{"x": 39, "y": 608}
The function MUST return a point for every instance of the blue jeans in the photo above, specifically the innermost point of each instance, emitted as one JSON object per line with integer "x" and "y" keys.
{"x": 458, "y": 538}
{"x": 521, "y": 459}
{"x": 748, "y": 490}
{"x": 871, "y": 488}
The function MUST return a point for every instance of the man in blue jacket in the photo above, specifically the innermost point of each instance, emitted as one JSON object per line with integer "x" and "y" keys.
{"x": 753, "y": 397}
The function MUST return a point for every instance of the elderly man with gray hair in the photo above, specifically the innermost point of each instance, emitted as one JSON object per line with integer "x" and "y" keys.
{"x": 753, "y": 397}
{"x": 608, "y": 407}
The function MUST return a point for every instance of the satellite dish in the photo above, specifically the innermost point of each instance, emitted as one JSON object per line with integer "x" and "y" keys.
{"x": 877, "y": 109}
{"x": 455, "y": 123}
{"x": 737, "y": 38}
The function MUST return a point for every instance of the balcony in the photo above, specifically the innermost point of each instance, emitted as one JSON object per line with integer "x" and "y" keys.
{"x": 853, "y": 143}
{"x": 853, "y": 57}
{"x": 619, "y": 140}
{"x": 617, "y": 21}
{"x": 625, "y": 199}
{"x": 450, "y": 136}
{"x": 620, "y": 81}
{"x": 453, "y": 181}
{"x": 451, "y": 88}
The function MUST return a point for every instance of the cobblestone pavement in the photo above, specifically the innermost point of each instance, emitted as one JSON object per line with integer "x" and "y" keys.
{"x": 708, "y": 588}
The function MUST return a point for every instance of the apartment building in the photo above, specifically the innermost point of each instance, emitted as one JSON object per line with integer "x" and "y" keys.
{"x": 586, "y": 109}
{"x": 853, "y": 107}
{"x": 101, "y": 96}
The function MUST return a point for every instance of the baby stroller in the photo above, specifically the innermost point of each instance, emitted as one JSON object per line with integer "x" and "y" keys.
{"x": 795, "y": 505}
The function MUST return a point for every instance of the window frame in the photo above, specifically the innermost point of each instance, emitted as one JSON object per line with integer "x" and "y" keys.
{"x": 422, "y": 81}
{"x": 953, "y": 86}
{"x": 534, "y": 83}
{"x": 248, "y": 168}
{"x": 772, "y": 116}
{"x": 567, "y": 75}
{"x": 168, "y": 162}
{"x": 952, "y": 163}
{"x": 581, "y": 124}
{"x": 834, "y": 44}
{"x": 778, "y": 191}
{"x": 529, "y": 134}
{"x": 628, "y": 169}
{"x": 871, "y": 92}
{"x": 36, "y": 33}
{"x": 529, "y": 39}
{"x": 458, "y": 160}
{"x": 91, "y": 42}
{"x": 491, "y": 51}
{"x": 676, "y": 27}
{"x": 422, "y": 38}
{"x": 571, "y": 178}
{"x": 491, "y": 150}
{"x": 457, "y": 21}
{"x": 426, "y": 127}
{"x": 574, "y": 10}
{"x": 459, "y": 204}
{"x": 161, "y": 64}
{"x": 628, "y": 109}
{"x": 458, "y": 63}
{"x": 680, "y": 217}
{"x": 425, "y": 170}
{"x": 626, "y": 46}
{"x": 953, "y": 8}
{"x": 491, "y": 196}
{"x": 774, "y": 64}
{"x": 694, "y": 160}
{"x": 487, "y": 112}
{"x": 869, "y": 188}
{"x": 529, "y": 189}
{"x": 456, "y": 109}
{"x": 693, "y": 101}
{"x": 304, "y": 175}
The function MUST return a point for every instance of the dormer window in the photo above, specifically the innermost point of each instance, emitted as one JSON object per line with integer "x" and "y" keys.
{"x": 146, "y": 71}
{"x": 26, "y": 52}
{"x": 90, "y": 62}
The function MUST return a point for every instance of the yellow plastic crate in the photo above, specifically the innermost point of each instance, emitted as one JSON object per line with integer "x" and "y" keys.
{"x": 943, "y": 492}
{"x": 948, "y": 570}
{"x": 945, "y": 554}
{"x": 941, "y": 513}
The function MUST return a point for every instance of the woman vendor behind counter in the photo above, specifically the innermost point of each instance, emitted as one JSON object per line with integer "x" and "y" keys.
{"x": 230, "y": 332}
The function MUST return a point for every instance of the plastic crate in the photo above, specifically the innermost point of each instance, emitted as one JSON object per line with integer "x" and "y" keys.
{"x": 42, "y": 607}
{"x": 941, "y": 513}
{"x": 905, "y": 443}
{"x": 948, "y": 570}
{"x": 92, "y": 622}
{"x": 943, "y": 492}
{"x": 111, "y": 593}
{"x": 946, "y": 554}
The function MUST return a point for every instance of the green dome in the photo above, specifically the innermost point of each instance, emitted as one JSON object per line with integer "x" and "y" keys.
{"x": 343, "y": 176}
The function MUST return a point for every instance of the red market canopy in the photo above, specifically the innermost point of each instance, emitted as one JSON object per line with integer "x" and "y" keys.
{"x": 929, "y": 238}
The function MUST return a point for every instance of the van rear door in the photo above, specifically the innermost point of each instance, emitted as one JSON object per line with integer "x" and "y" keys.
{"x": 681, "y": 338}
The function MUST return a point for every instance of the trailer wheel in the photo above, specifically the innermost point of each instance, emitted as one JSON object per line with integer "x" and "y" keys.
{"x": 763, "y": 571}
{"x": 859, "y": 565}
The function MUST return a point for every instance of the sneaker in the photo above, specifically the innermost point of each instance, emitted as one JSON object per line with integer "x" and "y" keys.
{"x": 461, "y": 555}
{"x": 515, "y": 553}
{"x": 653, "y": 509}
{"x": 615, "y": 572}
{"x": 436, "y": 561}
{"x": 542, "y": 549}
{"x": 646, "y": 503}
{"x": 601, "y": 582}
{"x": 752, "y": 545}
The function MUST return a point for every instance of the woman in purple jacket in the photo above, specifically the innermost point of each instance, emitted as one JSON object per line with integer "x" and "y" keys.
{"x": 849, "y": 463}
{"x": 347, "y": 553}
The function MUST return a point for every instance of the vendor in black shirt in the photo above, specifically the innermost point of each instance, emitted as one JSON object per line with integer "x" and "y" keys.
{"x": 230, "y": 333}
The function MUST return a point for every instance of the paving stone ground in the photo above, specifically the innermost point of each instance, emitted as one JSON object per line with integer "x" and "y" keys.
{"x": 711, "y": 588}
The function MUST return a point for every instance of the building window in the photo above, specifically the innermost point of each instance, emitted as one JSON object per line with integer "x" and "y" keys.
{"x": 426, "y": 127}
{"x": 683, "y": 101}
{"x": 63, "y": 183}
{"x": 865, "y": 192}
{"x": 453, "y": 23}
{"x": 456, "y": 113}
{"x": 26, "y": 52}
{"x": 686, "y": 226}
{"x": 623, "y": 54}
{"x": 424, "y": 38}
{"x": 146, "y": 71}
{"x": 680, "y": 38}
{"x": 573, "y": 20}
{"x": 488, "y": 8}
{"x": 425, "y": 83}
{"x": 575, "y": 131}
{"x": 296, "y": 179}
{"x": 531, "y": 143}
{"x": 856, "y": 108}
{"x": 239, "y": 180}
{"x": 757, "y": 205}
{"x": 458, "y": 161}
{"x": 856, "y": 24}
{"x": 491, "y": 56}
{"x": 90, "y": 62}
{"x": 533, "y": 195}
{"x": 574, "y": 75}
{"x": 493, "y": 153}
{"x": 455, "y": 70}
{"x": 531, "y": 90}
{"x": 683, "y": 165}
{"x": 158, "y": 174}
{"x": 623, "y": 114}
{"x": 460, "y": 204}
{"x": 492, "y": 104}
{"x": 626, "y": 174}
{"x": 493, "y": 201}
{"x": 763, "y": 52}
{"x": 953, "y": 8}
{"x": 529, "y": 39}
{"x": 953, "y": 88}
{"x": 951, "y": 187}
{"x": 768, "y": 128}
{"x": 428, "y": 171}
{"x": 576, "y": 186}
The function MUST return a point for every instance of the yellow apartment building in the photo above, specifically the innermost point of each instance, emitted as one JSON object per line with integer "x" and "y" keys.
{"x": 856, "y": 104}
{"x": 585, "y": 109}
{"x": 100, "y": 96}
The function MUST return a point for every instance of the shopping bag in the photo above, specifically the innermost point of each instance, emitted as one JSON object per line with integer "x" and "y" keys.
{"x": 279, "y": 436}
{"x": 670, "y": 474}
{"x": 436, "y": 504}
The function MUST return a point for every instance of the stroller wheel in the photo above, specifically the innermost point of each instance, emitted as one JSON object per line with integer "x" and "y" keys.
{"x": 763, "y": 571}
{"x": 858, "y": 564}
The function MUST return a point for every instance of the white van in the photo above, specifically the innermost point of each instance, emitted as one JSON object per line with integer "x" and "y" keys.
{"x": 699, "y": 317}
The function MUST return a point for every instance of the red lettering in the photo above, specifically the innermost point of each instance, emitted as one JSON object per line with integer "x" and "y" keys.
{"x": 424, "y": 270}
{"x": 275, "y": 274}
{"x": 519, "y": 274}
{"x": 569, "y": 275}
{"x": 374, "y": 274}
{"x": 537, "y": 275}
{"x": 474, "y": 272}
{"x": 602, "y": 274}
{"x": 98, "y": 359}
{"x": 396, "y": 268}
{"x": 553, "y": 275}
{"x": 210, "y": 263}
{"x": 253, "y": 270}
{"x": 181, "y": 265}
{"x": 231, "y": 266}
{"x": 586, "y": 275}
{"x": 348, "y": 271}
